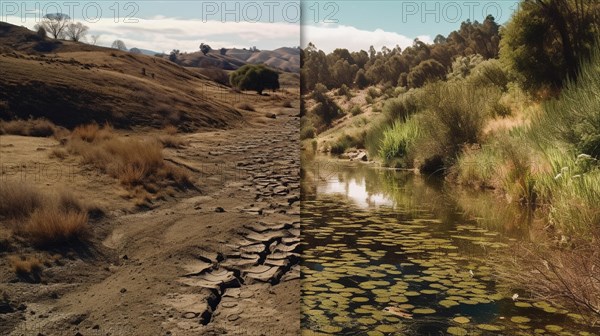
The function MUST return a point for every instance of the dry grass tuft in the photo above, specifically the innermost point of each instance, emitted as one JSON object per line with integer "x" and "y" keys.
{"x": 172, "y": 141}
{"x": 134, "y": 162}
{"x": 58, "y": 153}
{"x": 287, "y": 103}
{"x": 559, "y": 275}
{"x": 26, "y": 266}
{"x": 18, "y": 200}
{"x": 30, "y": 127}
{"x": 92, "y": 132}
{"x": 45, "y": 220}
{"x": 170, "y": 130}
{"x": 245, "y": 106}
{"x": 52, "y": 226}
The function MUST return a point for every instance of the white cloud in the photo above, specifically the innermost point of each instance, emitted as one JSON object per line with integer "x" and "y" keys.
{"x": 164, "y": 34}
{"x": 330, "y": 37}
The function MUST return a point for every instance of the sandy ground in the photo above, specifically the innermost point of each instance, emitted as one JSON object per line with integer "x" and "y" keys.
{"x": 221, "y": 260}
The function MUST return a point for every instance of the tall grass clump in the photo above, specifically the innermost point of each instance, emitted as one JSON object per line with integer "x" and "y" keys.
{"x": 397, "y": 143}
{"x": 31, "y": 127}
{"x": 403, "y": 106}
{"x": 134, "y": 162}
{"x": 574, "y": 117}
{"x": 453, "y": 118}
{"x": 18, "y": 200}
{"x": 45, "y": 220}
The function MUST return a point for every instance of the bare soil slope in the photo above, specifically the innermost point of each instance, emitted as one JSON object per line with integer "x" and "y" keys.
{"x": 71, "y": 83}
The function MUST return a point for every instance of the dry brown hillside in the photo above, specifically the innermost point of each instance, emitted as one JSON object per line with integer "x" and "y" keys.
{"x": 72, "y": 83}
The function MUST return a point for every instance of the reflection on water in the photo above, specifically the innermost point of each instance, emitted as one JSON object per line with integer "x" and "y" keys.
{"x": 391, "y": 253}
{"x": 356, "y": 192}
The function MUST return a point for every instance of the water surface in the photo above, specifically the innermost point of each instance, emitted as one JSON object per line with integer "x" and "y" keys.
{"x": 391, "y": 253}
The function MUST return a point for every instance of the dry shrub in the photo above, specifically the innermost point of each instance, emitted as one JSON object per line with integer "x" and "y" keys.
{"x": 44, "y": 219}
{"x": 51, "y": 226}
{"x": 58, "y": 153}
{"x": 287, "y": 103}
{"x": 18, "y": 200}
{"x": 92, "y": 132}
{"x": 133, "y": 162}
{"x": 170, "y": 130}
{"x": 245, "y": 106}
{"x": 172, "y": 141}
{"x": 560, "y": 275}
{"x": 30, "y": 127}
{"x": 24, "y": 266}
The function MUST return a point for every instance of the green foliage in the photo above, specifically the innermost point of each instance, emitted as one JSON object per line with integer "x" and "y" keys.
{"x": 361, "y": 80}
{"x": 574, "y": 118}
{"x": 454, "y": 117}
{"x": 546, "y": 38}
{"x": 326, "y": 110}
{"x": 463, "y": 65}
{"x": 430, "y": 70}
{"x": 255, "y": 77}
{"x": 397, "y": 142}
{"x": 307, "y": 132}
{"x": 490, "y": 72}
{"x": 403, "y": 106}
{"x": 394, "y": 65}
{"x": 355, "y": 110}
{"x": 344, "y": 90}
{"x": 345, "y": 141}
{"x": 373, "y": 93}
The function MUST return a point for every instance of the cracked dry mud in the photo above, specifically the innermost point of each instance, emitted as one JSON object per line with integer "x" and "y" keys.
{"x": 224, "y": 261}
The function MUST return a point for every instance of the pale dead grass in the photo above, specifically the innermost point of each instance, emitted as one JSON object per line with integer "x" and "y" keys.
{"x": 245, "y": 106}
{"x": 93, "y": 132}
{"x": 30, "y": 127}
{"x": 18, "y": 200}
{"x": 52, "y": 226}
{"x": 25, "y": 266}
{"x": 170, "y": 130}
{"x": 58, "y": 153}
{"x": 500, "y": 124}
{"x": 133, "y": 161}
{"x": 45, "y": 219}
{"x": 172, "y": 141}
{"x": 560, "y": 273}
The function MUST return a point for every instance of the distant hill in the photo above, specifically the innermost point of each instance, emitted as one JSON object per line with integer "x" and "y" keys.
{"x": 72, "y": 83}
{"x": 284, "y": 59}
{"x": 143, "y": 51}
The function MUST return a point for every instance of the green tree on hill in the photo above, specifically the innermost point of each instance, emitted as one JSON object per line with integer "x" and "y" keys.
{"x": 546, "y": 39}
{"x": 255, "y": 78}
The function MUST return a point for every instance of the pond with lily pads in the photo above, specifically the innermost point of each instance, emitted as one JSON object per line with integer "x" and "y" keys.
{"x": 392, "y": 253}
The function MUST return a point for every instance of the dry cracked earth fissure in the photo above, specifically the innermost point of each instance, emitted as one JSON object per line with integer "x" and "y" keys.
{"x": 224, "y": 260}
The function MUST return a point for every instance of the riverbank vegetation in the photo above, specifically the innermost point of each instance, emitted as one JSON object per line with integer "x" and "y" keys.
{"x": 514, "y": 109}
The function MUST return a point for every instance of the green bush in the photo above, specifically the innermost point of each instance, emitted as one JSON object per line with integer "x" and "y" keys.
{"x": 307, "y": 132}
{"x": 355, "y": 110}
{"x": 574, "y": 118}
{"x": 489, "y": 72}
{"x": 325, "y": 109}
{"x": 345, "y": 141}
{"x": 344, "y": 90}
{"x": 397, "y": 142}
{"x": 402, "y": 107}
{"x": 255, "y": 78}
{"x": 454, "y": 117}
{"x": 373, "y": 93}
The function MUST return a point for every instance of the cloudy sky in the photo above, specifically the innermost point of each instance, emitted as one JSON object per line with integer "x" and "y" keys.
{"x": 164, "y": 25}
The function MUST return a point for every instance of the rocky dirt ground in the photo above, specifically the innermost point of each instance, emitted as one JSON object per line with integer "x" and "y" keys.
{"x": 223, "y": 260}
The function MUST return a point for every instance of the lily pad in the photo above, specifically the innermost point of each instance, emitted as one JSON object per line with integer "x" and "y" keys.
{"x": 461, "y": 320}
{"x": 457, "y": 331}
